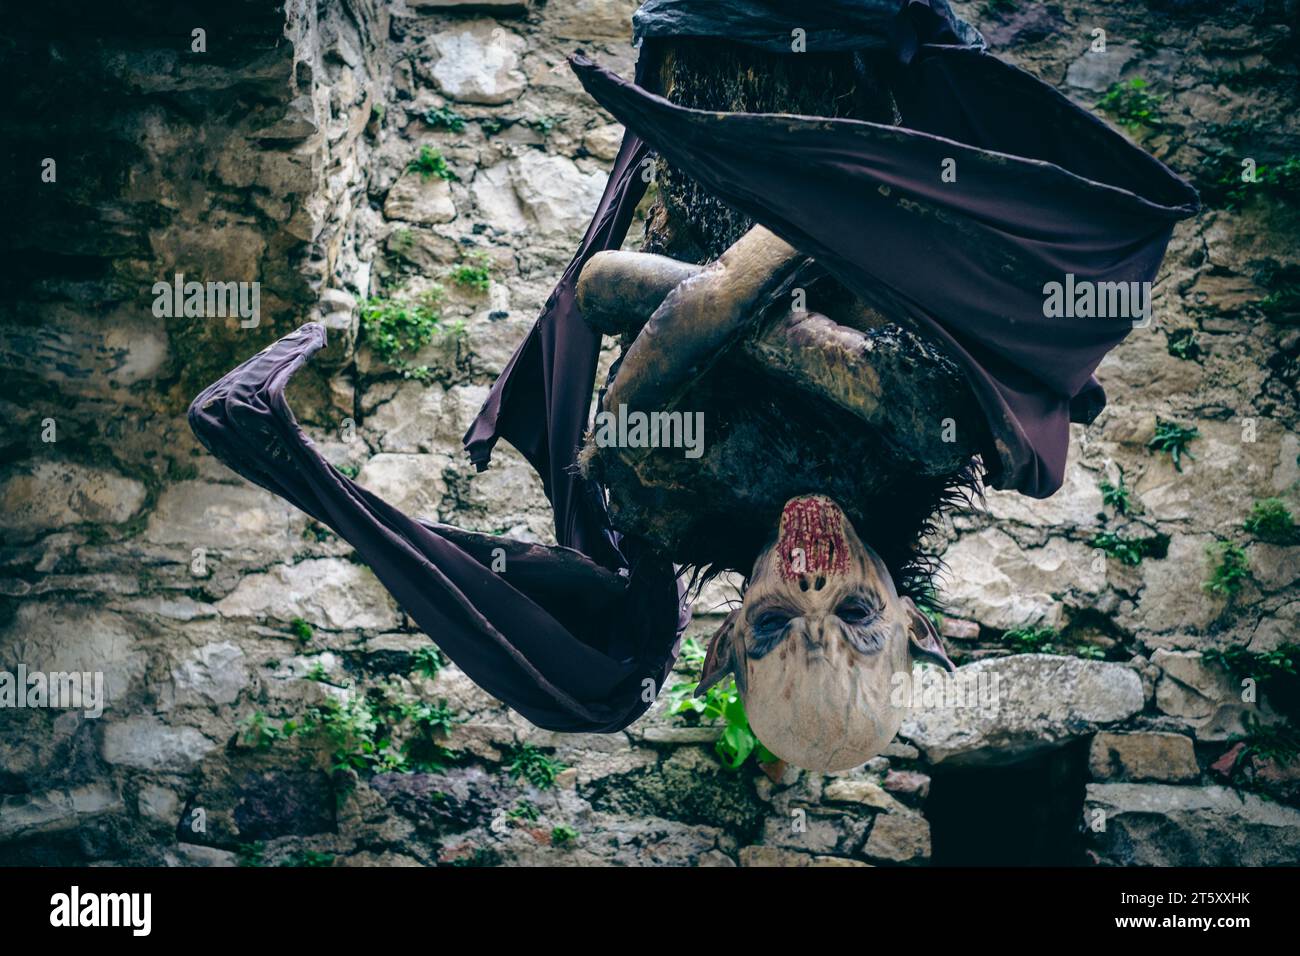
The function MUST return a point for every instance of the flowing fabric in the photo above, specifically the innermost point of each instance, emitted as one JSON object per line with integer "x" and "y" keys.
{"x": 824, "y": 26}
{"x": 1043, "y": 192}
{"x": 565, "y": 659}
{"x": 583, "y": 636}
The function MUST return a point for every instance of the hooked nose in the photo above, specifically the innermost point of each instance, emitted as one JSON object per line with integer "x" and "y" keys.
{"x": 811, "y": 639}
{"x": 816, "y": 636}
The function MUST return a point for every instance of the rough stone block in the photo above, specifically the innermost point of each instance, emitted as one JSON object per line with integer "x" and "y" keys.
{"x": 1039, "y": 701}
{"x": 1156, "y": 824}
{"x": 1165, "y": 758}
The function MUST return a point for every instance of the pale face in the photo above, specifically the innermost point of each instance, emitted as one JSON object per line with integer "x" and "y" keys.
{"x": 818, "y": 641}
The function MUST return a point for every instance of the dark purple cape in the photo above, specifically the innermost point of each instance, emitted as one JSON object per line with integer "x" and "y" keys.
{"x": 1043, "y": 189}
{"x": 567, "y": 658}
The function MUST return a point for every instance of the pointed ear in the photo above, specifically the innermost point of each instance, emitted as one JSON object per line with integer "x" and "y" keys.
{"x": 720, "y": 659}
{"x": 924, "y": 638}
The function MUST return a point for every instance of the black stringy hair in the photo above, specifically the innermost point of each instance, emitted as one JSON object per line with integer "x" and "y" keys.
{"x": 898, "y": 531}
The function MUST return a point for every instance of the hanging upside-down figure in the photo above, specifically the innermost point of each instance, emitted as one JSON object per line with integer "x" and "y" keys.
{"x": 859, "y": 356}
{"x": 798, "y": 414}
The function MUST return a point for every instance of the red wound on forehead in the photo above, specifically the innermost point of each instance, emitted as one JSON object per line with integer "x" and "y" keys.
{"x": 811, "y": 538}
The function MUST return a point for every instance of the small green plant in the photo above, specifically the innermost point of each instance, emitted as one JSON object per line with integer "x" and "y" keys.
{"x": 1131, "y": 551}
{"x": 416, "y": 373}
{"x": 301, "y": 630}
{"x": 928, "y": 603}
{"x": 1116, "y": 496}
{"x": 1132, "y": 103}
{"x": 1267, "y": 668}
{"x": 317, "y": 674}
{"x": 1173, "y": 438}
{"x": 491, "y": 126}
{"x": 1047, "y": 640}
{"x": 524, "y": 810}
{"x": 529, "y": 763}
{"x": 351, "y": 728}
{"x": 423, "y": 750}
{"x": 1271, "y": 521}
{"x": 256, "y": 731}
{"x": 1126, "y": 552}
{"x": 427, "y": 661}
{"x": 430, "y": 163}
{"x": 1277, "y": 742}
{"x": 391, "y": 326}
{"x": 1281, "y": 180}
{"x": 1219, "y": 172}
{"x": 251, "y": 854}
{"x": 445, "y": 117}
{"x": 475, "y": 274}
{"x": 1224, "y": 179}
{"x": 544, "y": 124}
{"x": 1229, "y": 568}
{"x": 1149, "y": 41}
{"x": 1183, "y": 344}
{"x": 563, "y": 835}
{"x": 374, "y": 732}
{"x": 722, "y": 702}
{"x": 1032, "y": 640}
{"x": 692, "y": 653}
{"x": 349, "y": 471}
{"x": 1276, "y": 673}
{"x": 1281, "y": 302}
{"x": 434, "y": 719}
{"x": 1286, "y": 176}
{"x": 377, "y": 113}
{"x": 309, "y": 858}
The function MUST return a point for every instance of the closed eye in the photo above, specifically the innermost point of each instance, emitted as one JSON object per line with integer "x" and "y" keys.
{"x": 767, "y": 630}
{"x": 856, "y": 611}
{"x": 860, "y": 619}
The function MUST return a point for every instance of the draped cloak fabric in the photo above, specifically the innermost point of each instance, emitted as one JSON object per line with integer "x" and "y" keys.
{"x": 1043, "y": 190}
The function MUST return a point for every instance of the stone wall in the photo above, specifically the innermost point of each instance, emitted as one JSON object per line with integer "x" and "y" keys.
{"x": 247, "y": 654}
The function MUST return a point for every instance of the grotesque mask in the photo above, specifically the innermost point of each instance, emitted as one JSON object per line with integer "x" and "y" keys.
{"x": 822, "y": 644}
